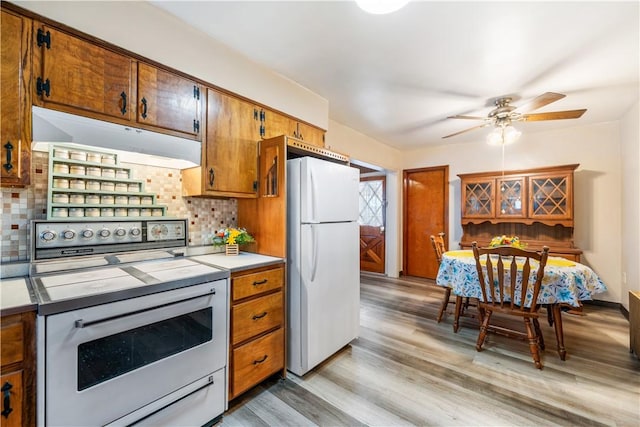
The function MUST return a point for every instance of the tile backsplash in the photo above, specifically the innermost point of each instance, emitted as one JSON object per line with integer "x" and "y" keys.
{"x": 21, "y": 205}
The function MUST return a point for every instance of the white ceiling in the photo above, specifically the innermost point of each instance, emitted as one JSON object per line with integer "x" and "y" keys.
{"x": 397, "y": 77}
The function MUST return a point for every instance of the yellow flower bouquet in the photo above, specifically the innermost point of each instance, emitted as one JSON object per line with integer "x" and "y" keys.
{"x": 507, "y": 241}
{"x": 232, "y": 236}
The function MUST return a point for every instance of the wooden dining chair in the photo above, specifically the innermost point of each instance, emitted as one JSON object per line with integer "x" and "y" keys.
{"x": 439, "y": 249}
{"x": 499, "y": 277}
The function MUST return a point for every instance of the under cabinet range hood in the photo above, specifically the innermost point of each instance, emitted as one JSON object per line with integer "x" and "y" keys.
{"x": 56, "y": 126}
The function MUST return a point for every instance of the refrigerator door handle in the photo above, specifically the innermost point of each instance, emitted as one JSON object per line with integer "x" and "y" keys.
{"x": 314, "y": 252}
{"x": 313, "y": 195}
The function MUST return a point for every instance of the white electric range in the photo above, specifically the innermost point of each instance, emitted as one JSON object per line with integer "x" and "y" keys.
{"x": 124, "y": 318}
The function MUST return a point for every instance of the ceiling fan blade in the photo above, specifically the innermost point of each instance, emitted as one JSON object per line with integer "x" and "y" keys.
{"x": 461, "y": 116}
{"x": 553, "y": 115}
{"x": 542, "y": 100}
{"x": 466, "y": 130}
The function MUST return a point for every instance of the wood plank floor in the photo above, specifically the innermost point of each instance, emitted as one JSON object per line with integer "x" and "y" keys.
{"x": 406, "y": 369}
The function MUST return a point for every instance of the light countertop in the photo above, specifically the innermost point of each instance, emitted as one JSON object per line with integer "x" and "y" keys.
{"x": 234, "y": 263}
{"x": 15, "y": 296}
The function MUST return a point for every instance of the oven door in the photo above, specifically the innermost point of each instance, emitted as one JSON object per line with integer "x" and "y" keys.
{"x": 107, "y": 361}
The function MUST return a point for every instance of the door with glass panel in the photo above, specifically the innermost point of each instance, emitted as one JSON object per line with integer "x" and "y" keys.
{"x": 372, "y": 223}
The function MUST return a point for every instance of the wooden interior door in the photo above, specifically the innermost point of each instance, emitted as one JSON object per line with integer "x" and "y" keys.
{"x": 372, "y": 224}
{"x": 425, "y": 212}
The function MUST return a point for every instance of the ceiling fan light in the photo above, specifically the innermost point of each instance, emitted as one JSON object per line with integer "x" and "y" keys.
{"x": 511, "y": 135}
{"x": 380, "y": 7}
{"x": 503, "y": 135}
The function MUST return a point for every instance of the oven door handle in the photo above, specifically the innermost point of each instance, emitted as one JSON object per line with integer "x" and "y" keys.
{"x": 80, "y": 323}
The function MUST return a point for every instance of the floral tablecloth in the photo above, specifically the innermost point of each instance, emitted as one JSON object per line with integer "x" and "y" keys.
{"x": 564, "y": 281}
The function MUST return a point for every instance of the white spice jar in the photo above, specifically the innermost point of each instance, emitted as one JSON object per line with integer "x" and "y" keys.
{"x": 60, "y": 183}
{"x": 122, "y": 200}
{"x": 60, "y": 198}
{"x": 146, "y": 200}
{"x": 106, "y": 211}
{"x": 121, "y": 186}
{"x": 121, "y": 211}
{"x": 77, "y": 169}
{"x": 156, "y": 212}
{"x": 78, "y": 155}
{"x": 122, "y": 174}
{"x": 108, "y": 173}
{"x": 94, "y": 171}
{"x": 133, "y": 212}
{"x": 77, "y": 199}
{"x": 76, "y": 212}
{"x": 133, "y": 188}
{"x": 61, "y": 168}
{"x": 60, "y": 212}
{"x": 109, "y": 159}
{"x": 92, "y": 199}
{"x": 77, "y": 184}
{"x": 61, "y": 153}
{"x": 92, "y": 212}
{"x": 107, "y": 186}
{"x": 94, "y": 157}
{"x": 145, "y": 212}
{"x": 93, "y": 185}
{"x": 107, "y": 200}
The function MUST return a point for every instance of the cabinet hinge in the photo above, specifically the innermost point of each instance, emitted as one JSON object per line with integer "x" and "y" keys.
{"x": 263, "y": 115}
{"x": 255, "y": 185}
{"x": 196, "y": 126}
{"x": 255, "y": 114}
{"x": 262, "y": 130}
{"x": 196, "y": 92}
{"x": 44, "y": 38}
{"x": 43, "y": 86}
{"x": 8, "y": 166}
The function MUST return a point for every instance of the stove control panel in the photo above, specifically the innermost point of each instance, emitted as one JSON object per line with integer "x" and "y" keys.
{"x": 69, "y": 238}
{"x": 70, "y": 234}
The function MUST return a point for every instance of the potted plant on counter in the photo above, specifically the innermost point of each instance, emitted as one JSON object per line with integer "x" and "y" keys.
{"x": 232, "y": 237}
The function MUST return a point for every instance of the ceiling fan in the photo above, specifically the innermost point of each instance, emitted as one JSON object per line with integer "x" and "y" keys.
{"x": 505, "y": 113}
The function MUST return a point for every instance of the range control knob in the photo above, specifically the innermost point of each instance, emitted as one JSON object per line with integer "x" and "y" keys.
{"x": 120, "y": 232}
{"x": 47, "y": 235}
{"x": 87, "y": 233}
{"x": 68, "y": 234}
{"x": 135, "y": 231}
{"x": 104, "y": 233}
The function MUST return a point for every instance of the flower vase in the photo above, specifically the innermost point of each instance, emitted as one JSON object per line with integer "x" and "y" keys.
{"x": 232, "y": 249}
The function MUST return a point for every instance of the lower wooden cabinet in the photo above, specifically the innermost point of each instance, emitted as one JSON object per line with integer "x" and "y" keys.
{"x": 17, "y": 380}
{"x": 634, "y": 322}
{"x": 257, "y": 342}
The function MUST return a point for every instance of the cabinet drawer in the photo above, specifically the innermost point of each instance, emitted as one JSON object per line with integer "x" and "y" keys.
{"x": 15, "y": 399}
{"x": 255, "y": 361}
{"x": 12, "y": 343}
{"x": 251, "y": 318}
{"x": 256, "y": 283}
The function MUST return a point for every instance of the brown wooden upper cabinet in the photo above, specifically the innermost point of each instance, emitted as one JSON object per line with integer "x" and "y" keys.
{"x": 81, "y": 77}
{"x": 276, "y": 124}
{"x": 168, "y": 101}
{"x": 230, "y": 152}
{"x": 15, "y": 81}
{"x": 542, "y": 195}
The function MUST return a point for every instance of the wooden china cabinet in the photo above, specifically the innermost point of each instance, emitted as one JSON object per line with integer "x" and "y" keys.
{"x": 533, "y": 204}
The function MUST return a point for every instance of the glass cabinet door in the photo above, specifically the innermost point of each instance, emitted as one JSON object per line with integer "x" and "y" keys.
{"x": 511, "y": 199}
{"x": 478, "y": 198}
{"x": 550, "y": 196}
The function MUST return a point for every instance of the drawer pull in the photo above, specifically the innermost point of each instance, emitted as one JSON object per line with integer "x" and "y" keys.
{"x": 6, "y": 398}
{"x": 261, "y": 282}
{"x": 258, "y": 361}
{"x": 259, "y": 316}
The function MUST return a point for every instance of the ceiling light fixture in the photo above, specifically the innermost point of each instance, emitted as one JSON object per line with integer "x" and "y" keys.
{"x": 503, "y": 134}
{"x": 380, "y": 7}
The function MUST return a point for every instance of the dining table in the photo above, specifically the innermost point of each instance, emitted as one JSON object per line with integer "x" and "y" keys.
{"x": 565, "y": 283}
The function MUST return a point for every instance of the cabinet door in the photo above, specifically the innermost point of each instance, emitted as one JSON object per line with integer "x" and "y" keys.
{"x": 551, "y": 196}
{"x": 309, "y": 134}
{"x": 478, "y": 198}
{"x": 511, "y": 197}
{"x": 15, "y": 120}
{"x": 12, "y": 399}
{"x": 168, "y": 101}
{"x": 231, "y": 145}
{"x": 82, "y": 75}
{"x": 276, "y": 124}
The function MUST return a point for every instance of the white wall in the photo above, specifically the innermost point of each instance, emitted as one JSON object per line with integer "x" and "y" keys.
{"x": 367, "y": 150}
{"x": 597, "y": 204}
{"x": 151, "y": 32}
{"x": 630, "y": 227}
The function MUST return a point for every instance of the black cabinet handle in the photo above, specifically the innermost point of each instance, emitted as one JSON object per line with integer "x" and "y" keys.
{"x": 8, "y": 166}
{"x": 123, "y": 109}
{"x": 258, "y": 361}
{"x": 261, "y": 282}
{"x": 144, "y": 108}
{"x": 6, "y": 399}
{"x": 212, "y": 177}
{"x": 259, "y": 316}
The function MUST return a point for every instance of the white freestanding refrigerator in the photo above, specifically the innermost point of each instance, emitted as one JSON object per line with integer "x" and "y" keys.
{"x": 323, "y": 303}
